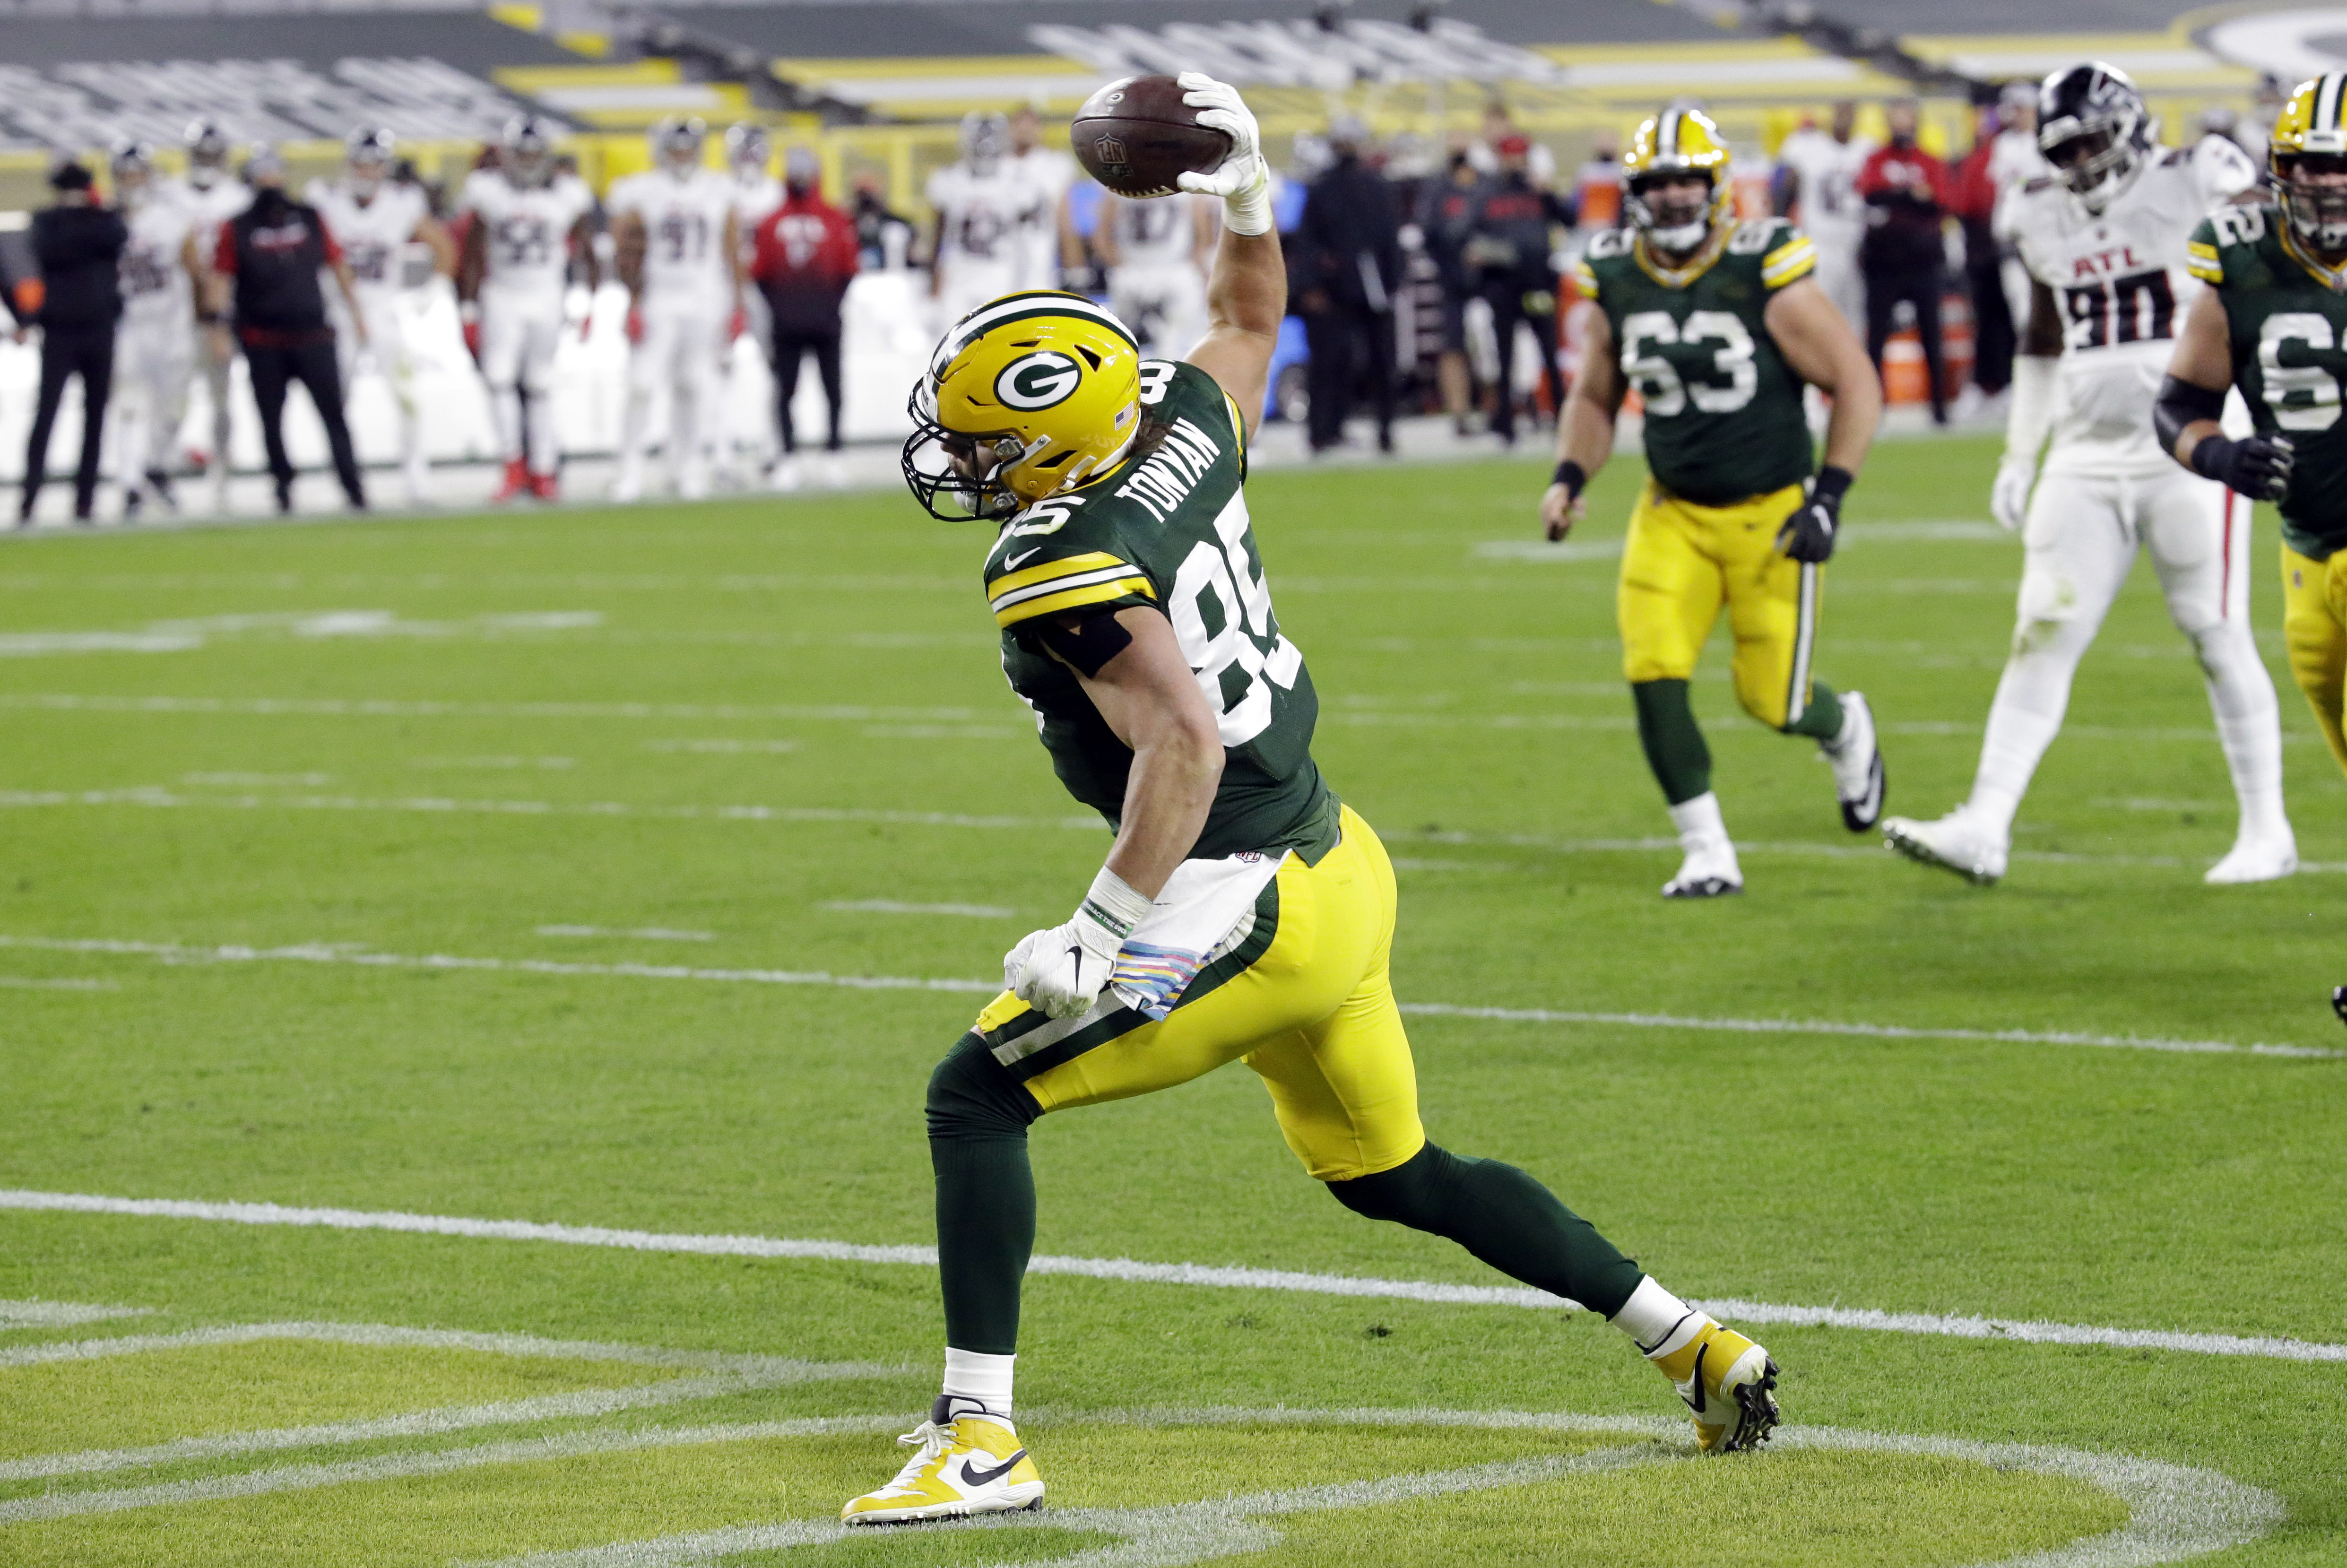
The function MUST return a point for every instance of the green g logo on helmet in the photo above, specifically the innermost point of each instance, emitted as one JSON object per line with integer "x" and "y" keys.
{"x": 1038, "y": 380}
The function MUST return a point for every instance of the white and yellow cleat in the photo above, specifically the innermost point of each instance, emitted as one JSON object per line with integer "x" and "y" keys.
{"x": 972, "y": 1465}
{"x": 1727, "y": 1381}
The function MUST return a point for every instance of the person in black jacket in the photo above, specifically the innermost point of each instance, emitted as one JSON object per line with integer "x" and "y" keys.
{"x": 79, "y": 247}
{"x": 266, "y": 274}
{"x": 1506, "y": 255}
{"x": 1348, "y": 260}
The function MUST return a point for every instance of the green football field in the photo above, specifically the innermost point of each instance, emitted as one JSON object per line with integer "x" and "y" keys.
{"x": 558, "y": 915}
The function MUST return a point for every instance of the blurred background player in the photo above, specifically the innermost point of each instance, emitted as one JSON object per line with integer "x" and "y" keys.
{"x": 1905, "y": 256}
{"x": 1717, "y": 325}
{"x": 2014, "y": 160}
{"x": 374, "y": 221}
{"x": 1156, "y": 253}
{"x": 529, "y": 219}
{"x": 78, "y": 245}
{"x": 679, "y": 247}
{"x": 2105, "y": 242}
{"x": 749, "y": 155}
{"x": 214, "y": 195}
{"x": 1346, "y": 260}
{"x": 1509, "y": 238}
{"x": 270, "y": 259}
{"x": 1044, "y": 175}
{"x": 1444, "y": 208}
{"x": 1817, "y": 188}
{"x": 155, "y": 346}
{"x": 973, "y": 248}
{"x": 802, "y": 258}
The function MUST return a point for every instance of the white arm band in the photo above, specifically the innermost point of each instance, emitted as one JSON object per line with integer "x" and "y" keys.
{"x": 2030, "y": 418}
{"x": 1112, "y": 904}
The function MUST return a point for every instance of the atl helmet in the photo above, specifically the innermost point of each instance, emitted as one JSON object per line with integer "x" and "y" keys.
{"x": 208, "y": 150}
{"x": 2309, "y": 141}
{"x": 128, "y": 155}
{"x": 677, "y": 141}
{"x": 528, "y": 147}
{"x": 985, "y": 137}
{"x": 2093, "y": 127}
{"x": 1675, "y": 145}
{"x": 369, "y": 152}
{"x": 746, "y": 147}
{"x": 1029, "y": 395}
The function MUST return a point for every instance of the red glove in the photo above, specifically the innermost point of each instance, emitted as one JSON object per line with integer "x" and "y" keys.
{"x": 469, "y": 314}
{"x": 587, "y": 324}
{"x": 635, "y": 324}
{"x": 737, "y": 323}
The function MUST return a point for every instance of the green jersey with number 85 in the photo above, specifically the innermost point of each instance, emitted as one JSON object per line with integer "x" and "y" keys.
{"x": 1723, "y": 406}
{"x": 2287, "y": 315}
{"x": 1168, "y": 528}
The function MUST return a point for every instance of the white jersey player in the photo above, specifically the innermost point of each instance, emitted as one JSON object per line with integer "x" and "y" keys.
{"x": 1823, "y": 185}
{"x": 2105, "y": 242}
{"x": 214, "y": 195}
{"x": 155, "y": 345}
{"x": 679, "y": 244}
{"x": 974, "y": 250}
{"x": 1044, "y": 174}
{"x": 527, "y": 220}
{"x": 376, "y": 220}
{"x": 757, "y": 194}
{"x": 1157, "y": 253}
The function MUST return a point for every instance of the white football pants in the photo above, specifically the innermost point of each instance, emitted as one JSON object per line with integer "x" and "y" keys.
{"x": 2082, "y": 536}
{"x": 1837, "y": 274}
{"x": 154, "y": 365}
{"x": 520, "y": 333}
{"x": 1167, "y": 305}
{"x": 389, "y": 354}
{"x": 683, "y": 350}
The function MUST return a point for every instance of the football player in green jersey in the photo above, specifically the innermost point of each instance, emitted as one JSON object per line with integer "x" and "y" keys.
{"x": 1244, "y": 913}
{"x": 1717, "y": 325}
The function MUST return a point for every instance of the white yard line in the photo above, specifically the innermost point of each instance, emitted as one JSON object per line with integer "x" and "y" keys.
{"x": 357, "y": 954}
{"x": 333, "y": 953}
{"x": 1127, "y": 1270}
{"x": 892, "y": 906}
{"x": 62, "y": 1313}
{"x": 636, "y": 933}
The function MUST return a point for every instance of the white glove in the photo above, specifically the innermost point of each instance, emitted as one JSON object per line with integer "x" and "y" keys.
{"x": 1243, "y": 180}
{"x": 2008, "y": 498}
{"x": 1062, "y": 971}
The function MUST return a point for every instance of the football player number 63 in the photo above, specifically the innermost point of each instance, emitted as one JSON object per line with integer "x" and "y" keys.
{"x": 1659, "y": 385}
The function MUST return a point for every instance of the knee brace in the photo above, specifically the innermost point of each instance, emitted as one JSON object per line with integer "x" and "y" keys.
{"x": 971, "y": 1095}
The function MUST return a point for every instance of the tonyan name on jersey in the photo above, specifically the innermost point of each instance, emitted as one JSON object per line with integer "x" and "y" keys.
{"x": 1723, "y": 406}
{"x": 2121, "y": 281}
{"x": 2287, "y": 315}
{"x": 1168, "y": 528}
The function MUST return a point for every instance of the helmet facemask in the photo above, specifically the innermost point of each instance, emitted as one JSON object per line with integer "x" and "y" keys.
{"x": 1673, "y": 208}
{"x": 2095, "y": 159}
{"x": 2313, "y": 187}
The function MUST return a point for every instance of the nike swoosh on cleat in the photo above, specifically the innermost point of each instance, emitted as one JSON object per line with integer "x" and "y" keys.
{"x": 973, "y": 1475}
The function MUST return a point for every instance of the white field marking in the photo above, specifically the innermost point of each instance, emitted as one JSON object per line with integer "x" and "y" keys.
{"x": 724, "y": 748}
{"x": 350, "y": 953}
{"x": 949, "y": 731}
{"x": 1128, "y": 1271}
{"x": 258, "y": 781}
{"x": 891, "y": 906}
{"x": 639, "y": 933}
{"x": 62, "y": 1313}
{"x": 488, "y": 765}
{"x": 185, "y": 636}
{"x": 716, "y": 1376}
{"x": 42, "y": 983}
{"x": 2135, "y": 803}
{"x": 2174, "y": 1511}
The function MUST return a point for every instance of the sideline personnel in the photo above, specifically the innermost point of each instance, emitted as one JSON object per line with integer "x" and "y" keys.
{"x": 78, "y": 245}
{"x": 267, "y": 267}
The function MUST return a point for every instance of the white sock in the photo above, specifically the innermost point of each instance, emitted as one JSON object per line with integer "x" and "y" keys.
{"x": 978, "y": 1384}
{"x": 1699, "y": 823}
{"x": 1658, "y": 1321}
{"x": 2031, "y": 699}
{"x": 2248, "y": 725}
{"x": 504, "y": 407}
{"x": 539, "y": 413}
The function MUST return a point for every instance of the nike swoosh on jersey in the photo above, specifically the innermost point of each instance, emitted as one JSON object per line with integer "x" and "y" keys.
{"x": 1012, "y": 563}
{"x": 971, "y": 1475}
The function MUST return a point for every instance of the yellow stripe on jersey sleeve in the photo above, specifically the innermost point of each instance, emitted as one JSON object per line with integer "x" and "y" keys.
{"x": 1584, "y": 277}
{"x": 1050, "y": 571}
{"x": 2202, "y": 261}
{"x": 1794, "y": 259}
{"x": 1050, "y": 598}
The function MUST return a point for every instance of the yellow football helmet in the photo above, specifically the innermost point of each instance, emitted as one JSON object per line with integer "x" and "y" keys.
{"x": 2309, "y": 135}
{"x": 1028, "y": 395}
{"x": 1672, "y": 144}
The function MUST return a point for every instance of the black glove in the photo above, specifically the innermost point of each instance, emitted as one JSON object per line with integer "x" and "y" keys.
{"x": 2256, "y": 465}
{"x": 1808, "y": 535}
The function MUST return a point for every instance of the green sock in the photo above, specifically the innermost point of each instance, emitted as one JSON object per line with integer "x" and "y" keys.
{"x": 986, "y": 1229}
{"x": 1674, "y": 748}
{"x": 1821, "y": 720}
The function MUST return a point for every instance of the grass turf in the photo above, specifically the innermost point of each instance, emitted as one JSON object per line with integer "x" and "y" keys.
{"x": 526, "y": 737}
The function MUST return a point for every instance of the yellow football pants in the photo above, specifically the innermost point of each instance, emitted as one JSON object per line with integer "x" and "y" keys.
{"x": 2314, "y": 624}
{"x": 1682, "y": 562}
{"x": 1314, "y": 1016}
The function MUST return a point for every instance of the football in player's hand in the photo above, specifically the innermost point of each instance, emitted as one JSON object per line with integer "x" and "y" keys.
{"x": 1138, "y": 137}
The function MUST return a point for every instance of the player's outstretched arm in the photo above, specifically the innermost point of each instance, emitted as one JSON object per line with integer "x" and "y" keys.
{"x": 2192, "y": 400}
{"x": 473, "y": 258}
{"x": 1585, "y": 434}
{"x": 1822, "y": 350}
{"x": 434, "y": 234}
{"x": 1246, "y": 292}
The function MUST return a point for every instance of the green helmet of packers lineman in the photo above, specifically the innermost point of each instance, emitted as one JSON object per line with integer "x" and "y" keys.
{"x": 1676, "y": 145}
